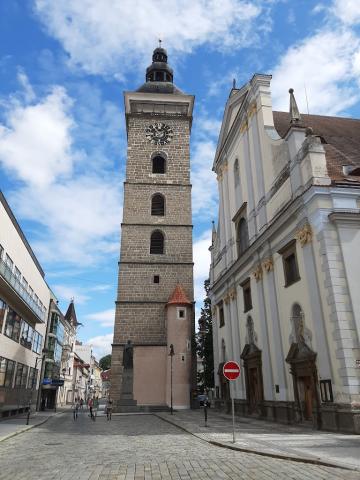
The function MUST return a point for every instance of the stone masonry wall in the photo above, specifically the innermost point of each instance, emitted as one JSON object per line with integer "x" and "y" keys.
{"x": 137, "y": 204}
{"x": 141, "y": 151}
{"x": 136, "y": 281}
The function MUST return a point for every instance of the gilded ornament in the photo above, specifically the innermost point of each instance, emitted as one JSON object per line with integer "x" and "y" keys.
{"x": 227, "y": 298}
{"x": 304, "y": 235}
{"x": 268, "y": 265}
{"x": 258, "y": 273}
{"x": 232, "y": 294}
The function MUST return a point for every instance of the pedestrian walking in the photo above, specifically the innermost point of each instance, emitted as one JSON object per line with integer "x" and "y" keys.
{"x": 96, "y": 406}
{"x": 75, "y": 410}
{"x": 108, "y": 408}
{"x": 91, "y": 406}
{"x": 81, "y": 403}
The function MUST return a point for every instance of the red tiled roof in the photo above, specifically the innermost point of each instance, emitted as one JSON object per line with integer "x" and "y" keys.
{"x": 178, "y": 297}
{"x": 339, "y": 136}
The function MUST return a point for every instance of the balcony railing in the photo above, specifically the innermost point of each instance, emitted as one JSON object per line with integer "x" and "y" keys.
{"x": 15, "y": 283}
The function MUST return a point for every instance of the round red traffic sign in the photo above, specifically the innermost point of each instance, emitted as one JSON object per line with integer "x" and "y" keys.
{"x": 231, "y": 370}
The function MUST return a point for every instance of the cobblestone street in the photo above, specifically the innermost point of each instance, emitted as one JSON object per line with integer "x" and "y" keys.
{"x": 137, "y": 447}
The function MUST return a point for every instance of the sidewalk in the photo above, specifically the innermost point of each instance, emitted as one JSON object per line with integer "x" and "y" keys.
{"x": 16, "y": 425}
{"x": 270, "y": 439}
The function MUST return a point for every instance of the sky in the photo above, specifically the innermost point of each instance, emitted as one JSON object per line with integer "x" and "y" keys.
{"x": 63, "y": 68}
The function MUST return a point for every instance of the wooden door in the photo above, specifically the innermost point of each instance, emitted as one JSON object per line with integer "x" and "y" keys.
{"x": 307, "y": 396}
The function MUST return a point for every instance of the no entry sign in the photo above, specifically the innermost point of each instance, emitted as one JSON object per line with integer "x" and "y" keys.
{"x": 231, "y": 370}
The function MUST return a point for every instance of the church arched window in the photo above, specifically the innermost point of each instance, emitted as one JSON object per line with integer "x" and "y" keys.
{"x": 158, "y": 205}
{"x": 242, "y": 236}
{"x": 157, "y": 243}
{"x": 158, "y": 164}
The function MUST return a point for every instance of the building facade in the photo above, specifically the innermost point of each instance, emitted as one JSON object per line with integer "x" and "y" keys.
{"x": 65, "y": 392}
{"x": 156, "y": 263}
{"x": 24, "y": 303}
{"x": 284, "y": 261}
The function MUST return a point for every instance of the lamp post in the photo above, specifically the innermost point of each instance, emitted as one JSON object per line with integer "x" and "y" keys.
{"x": 33, "y": 382}
{"x": 171, "y": 354}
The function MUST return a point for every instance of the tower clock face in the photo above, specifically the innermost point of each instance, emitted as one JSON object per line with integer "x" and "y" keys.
{"x": 159, "y": 133}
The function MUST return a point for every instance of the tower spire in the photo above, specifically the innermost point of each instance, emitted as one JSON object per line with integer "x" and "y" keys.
{"x": 295, "y": 116}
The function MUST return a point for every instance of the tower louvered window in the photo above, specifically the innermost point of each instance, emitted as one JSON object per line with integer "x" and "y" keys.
{"x": 157, "y": 243}
{"x": 158, "y": 205}
{"x": 158, "y": 164}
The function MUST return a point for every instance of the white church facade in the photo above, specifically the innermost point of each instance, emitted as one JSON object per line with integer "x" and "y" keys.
{"x": 285, "y": 262}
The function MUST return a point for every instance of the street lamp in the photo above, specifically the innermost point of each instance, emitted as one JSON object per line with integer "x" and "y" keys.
{"x": 33, "y": 382}
{"x": 171, "y": 354}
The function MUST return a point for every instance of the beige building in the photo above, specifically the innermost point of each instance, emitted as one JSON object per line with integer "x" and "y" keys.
{"x": 24, "y": 302}
{"x": 156, "y": 263}
{"x": 285, "y": 261}
{"x": 65, "y": 392}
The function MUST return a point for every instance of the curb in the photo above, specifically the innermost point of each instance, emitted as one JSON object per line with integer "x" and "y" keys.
{"x": 308, "y": 460}
{"x": 28, "y": 427}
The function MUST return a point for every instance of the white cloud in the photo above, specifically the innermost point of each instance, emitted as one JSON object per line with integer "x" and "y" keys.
{"x": 67, "y": 292}
{"x": 105, "y": 318}
{"x": 327, "y": 63}
{"x": 73, "y": 195}
{"x": 202, "y": 261}
{"x": 35, "y": 141}
{"x": 101, "y": 36}
{"x": 348, "y": 11}
{"x": 81, "y": 218}
{"x": 101, "y": 345}
{"x": 29, "y": 94}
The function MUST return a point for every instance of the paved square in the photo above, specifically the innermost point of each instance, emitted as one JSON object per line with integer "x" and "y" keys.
{"x": 137, "y": 447}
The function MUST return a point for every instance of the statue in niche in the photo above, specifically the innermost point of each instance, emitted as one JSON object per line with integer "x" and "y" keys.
{"x": 128, "y": 356}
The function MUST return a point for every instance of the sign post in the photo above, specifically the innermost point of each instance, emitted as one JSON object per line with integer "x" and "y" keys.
{"x": 231, "y": 371}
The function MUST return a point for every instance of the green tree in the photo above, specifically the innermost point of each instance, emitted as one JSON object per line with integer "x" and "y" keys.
{"x": 105, "y": 362}
{"x": 204, "y": 342}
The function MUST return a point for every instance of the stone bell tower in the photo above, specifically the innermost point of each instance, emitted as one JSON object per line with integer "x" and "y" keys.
{"x": 154, "y": 306}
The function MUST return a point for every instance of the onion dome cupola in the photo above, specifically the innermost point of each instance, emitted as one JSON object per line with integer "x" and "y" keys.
{"x": 159, "y": 70}
{"x": 159, "y": 76}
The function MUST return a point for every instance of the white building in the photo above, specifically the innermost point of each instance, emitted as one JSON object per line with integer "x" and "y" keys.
{"x": 65, "y": 393}
{"x": 24, "y": 301}
{"x": 94, "y": 382}
{"x": 285, "y": 261}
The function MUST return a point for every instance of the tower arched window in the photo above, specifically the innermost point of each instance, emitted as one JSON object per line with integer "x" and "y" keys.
{"x": 158, "y": 164}
{"x": 158, "y": 205}
{"x": 157, "y": 243}
{"x": 242, "y": 236}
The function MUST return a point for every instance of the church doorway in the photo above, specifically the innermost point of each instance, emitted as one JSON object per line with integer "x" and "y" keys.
{"x": 251, "y": 356}
{"x": 306, "y": 396}
{"x": 302, "y": 360}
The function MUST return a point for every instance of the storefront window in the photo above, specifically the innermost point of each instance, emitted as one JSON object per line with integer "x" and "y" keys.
{"x": 6, "y": 372}
{"x": 12, "y": 325}
{"x": 21, "y": 375}
{"x": 32, "y": 378}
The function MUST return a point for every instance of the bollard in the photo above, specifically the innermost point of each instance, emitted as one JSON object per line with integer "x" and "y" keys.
{"x": 205, "y": 412}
